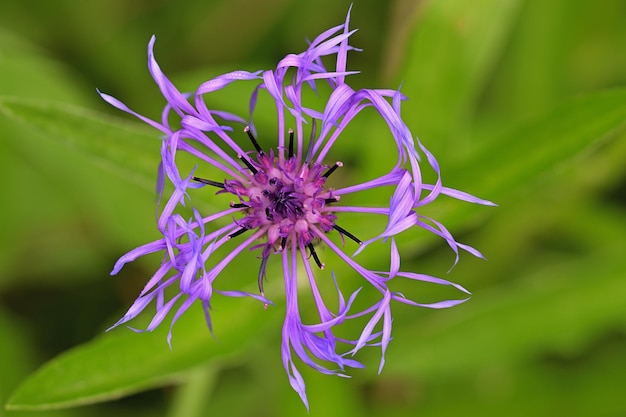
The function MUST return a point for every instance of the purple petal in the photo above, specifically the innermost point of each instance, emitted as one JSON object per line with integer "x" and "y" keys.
{"x": 461, "y": 195}
{"x": 121, "y": 106}
{"x": 177, "y": 100}
{"x": 222, "y": 81}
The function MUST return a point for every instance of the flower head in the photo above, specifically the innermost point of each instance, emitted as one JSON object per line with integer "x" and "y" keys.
{"x": 282, "y": 206}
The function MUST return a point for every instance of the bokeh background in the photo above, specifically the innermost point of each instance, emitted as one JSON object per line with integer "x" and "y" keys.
{"x": 522, "y": 102}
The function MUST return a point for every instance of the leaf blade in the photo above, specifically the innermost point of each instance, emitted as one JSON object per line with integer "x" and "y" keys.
{"x": 514, "y": 164}
{"x": 122, "y": 362}
{"x": 119, "y": 146}
{"x": 450, "y": 52}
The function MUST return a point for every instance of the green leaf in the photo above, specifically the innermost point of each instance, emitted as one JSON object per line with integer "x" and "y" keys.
{"x": 122, "y": 147}
{"x": 27, "y": 71}
{"x": 450, "y": 53}
{"x": 517, "y": 162}
{"x": 528, "y": 154}
{"x": 562, "y": 306}
{"x": 36, "y": 173}
{"x": 17, "y": 356}
{"x": 122, "y": 362}
{"x": 194, "y": 394}
{"x": 557, "y": 49}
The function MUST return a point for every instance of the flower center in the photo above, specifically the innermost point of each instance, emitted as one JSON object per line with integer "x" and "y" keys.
{"x": 285, "y": 199}
{"x": 284, "y": 202}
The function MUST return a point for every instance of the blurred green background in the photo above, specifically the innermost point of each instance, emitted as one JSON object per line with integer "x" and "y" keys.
{"x": 522, "y": 102}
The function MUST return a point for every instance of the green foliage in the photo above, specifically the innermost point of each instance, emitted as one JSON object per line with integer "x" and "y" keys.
{"x": 126, "y": 149}
{"x": 116, "y": 364}
{"x": 522, "y": 102}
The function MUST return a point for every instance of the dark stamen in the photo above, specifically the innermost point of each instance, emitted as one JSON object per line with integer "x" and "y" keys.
{"x": 239, "y": 205}
{"x": 315, "y": 257}
{"x": 283, "y": 243}
{"x": 290, "y": 143}
{"x": 238, "y": 232}
{"x": 331, "y": 200}
{"x": 248, "y": 164}
{"x": 268, "y": 214}
{"x": 309, "y": 151}
{"x": 209, "y": 182}
{"x": 332, "y": 169}
{"x": 253, "y": 140}
{"x": 345, "y": 232}
{"x": 262, "y": 275}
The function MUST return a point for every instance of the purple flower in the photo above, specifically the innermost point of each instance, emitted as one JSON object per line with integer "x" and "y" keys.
{"x": 282, "y": 206}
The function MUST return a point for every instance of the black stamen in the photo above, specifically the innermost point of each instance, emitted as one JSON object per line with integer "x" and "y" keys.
{"x": 238, "y": 232}
{"x": 283, "y": 243}
{"x": 290, "y": 143}
{"x": 209, "y": 182}
{"x": 253, "y": 140}
{"x": 345, "y": 232}
{"x": 268, "y": 214}
{"x": 315, "y": 257}
{"x": 309, "y": 151}
{"x": 262, "y": 275}
{"x": 248, "y": 164}
{"x": 332, "y": 169}
{"x": 330, "y": 200}
{"x": 239, "y": 205}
